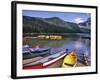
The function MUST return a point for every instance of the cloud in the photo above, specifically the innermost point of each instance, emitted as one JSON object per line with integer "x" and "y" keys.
{"x": 78, "y": 20}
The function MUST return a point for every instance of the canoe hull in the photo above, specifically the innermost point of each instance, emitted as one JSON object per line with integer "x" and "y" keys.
{"x": 41, "y": 66}
{"x": 49, "y": 63}
{"x": 36, "y": 53}
{"x": 70, "y": 60}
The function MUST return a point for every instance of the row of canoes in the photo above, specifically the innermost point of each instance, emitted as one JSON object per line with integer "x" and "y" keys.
{"x": 60, "y": 59}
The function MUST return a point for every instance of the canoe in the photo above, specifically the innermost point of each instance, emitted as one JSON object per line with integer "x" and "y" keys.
{"x": 31, "y": 52}
{"x": 51, "y": 61}
{"x": 26, "y": 61}
{"x": 40, "y": 50}
{"x": 70, "y": 60}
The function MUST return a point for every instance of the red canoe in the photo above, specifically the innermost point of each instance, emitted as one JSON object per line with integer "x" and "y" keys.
{"x": 51, "y": 61}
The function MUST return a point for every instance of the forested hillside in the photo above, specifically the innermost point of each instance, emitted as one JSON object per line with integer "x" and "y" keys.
{"x": 49, "y": 25}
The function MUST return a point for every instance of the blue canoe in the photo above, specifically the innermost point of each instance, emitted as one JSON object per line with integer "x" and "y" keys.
{"x": 31, "y": 52}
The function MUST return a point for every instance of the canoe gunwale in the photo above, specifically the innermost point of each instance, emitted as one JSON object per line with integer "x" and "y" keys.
{"x": 47, "y": 63}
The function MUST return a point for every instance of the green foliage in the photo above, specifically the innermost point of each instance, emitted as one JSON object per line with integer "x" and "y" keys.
{"x": 48, "y": 25}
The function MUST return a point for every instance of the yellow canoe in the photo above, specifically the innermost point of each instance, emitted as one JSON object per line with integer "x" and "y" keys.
{"x": 70, "y": 60}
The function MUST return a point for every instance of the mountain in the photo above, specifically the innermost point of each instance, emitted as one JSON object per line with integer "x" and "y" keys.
{"x": 48, "y": 25}
{"x": 86, "y": 24}
{"x": 62, "y": 23}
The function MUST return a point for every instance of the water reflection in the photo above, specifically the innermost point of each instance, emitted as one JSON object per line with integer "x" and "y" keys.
{"x": 79, "y": 42}
{"x": 82, "y": 46}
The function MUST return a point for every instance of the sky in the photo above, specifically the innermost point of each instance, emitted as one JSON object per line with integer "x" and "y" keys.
{"x": 66, "y": 16}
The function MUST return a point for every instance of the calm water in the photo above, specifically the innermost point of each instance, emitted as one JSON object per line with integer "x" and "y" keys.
{"x": 82, "y": 46}
{"x": 78, "y": 43}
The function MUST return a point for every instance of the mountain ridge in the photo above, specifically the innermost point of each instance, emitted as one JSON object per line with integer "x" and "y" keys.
{"x": 48, "y": 25}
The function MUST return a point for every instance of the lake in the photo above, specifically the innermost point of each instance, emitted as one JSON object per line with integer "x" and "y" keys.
{"x": 77, "y": 41}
